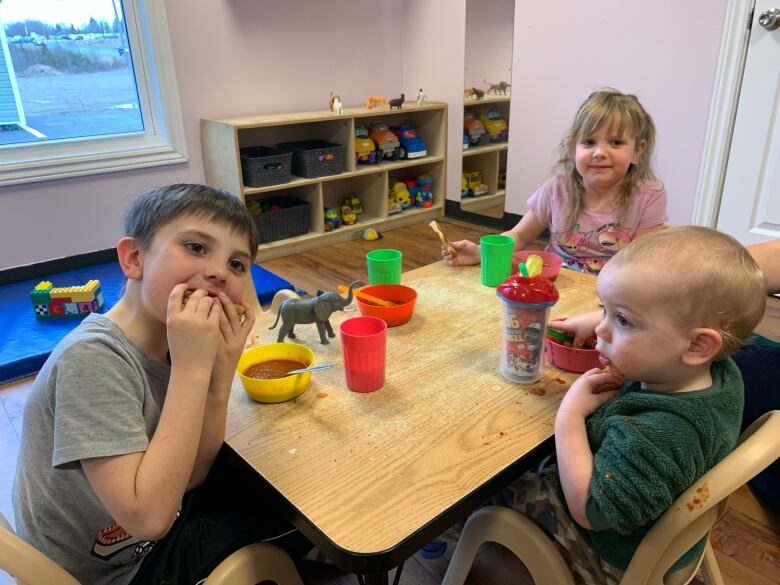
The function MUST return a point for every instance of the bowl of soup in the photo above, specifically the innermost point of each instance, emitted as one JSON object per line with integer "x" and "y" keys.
{"x": 262, "y": 371}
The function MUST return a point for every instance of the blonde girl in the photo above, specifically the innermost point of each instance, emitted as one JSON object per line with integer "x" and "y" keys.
{"x": 602, "y": 192}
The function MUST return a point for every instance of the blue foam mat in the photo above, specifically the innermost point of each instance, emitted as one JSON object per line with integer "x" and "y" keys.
{"x": 26, "y": 342}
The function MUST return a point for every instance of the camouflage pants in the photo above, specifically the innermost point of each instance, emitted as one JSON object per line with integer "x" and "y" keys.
{"x": 535, "y": 495}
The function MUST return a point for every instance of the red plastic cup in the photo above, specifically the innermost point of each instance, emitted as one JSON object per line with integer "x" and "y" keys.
{"x": 363, "y": 343}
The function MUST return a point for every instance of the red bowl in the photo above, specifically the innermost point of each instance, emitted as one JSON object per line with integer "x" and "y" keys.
{"x": 398, "y": 314}
{"x": 571, "y": 359}
{"x": 551, "y": 262}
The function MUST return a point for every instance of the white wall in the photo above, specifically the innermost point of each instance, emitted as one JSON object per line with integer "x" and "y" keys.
{"x": 236, "y": 57}
{"x": 665, "y": 52}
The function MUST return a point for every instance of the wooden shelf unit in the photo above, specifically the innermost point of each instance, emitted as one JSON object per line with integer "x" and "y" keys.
{"x": 223, "y": 138}
{"x": 489, "y": 159}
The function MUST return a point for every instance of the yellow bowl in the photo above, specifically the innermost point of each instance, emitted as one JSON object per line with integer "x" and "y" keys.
{"x": 276, "y": 389}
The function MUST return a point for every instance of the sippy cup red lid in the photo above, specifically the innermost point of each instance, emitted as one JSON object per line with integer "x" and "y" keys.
{"x": 528, "y": 290}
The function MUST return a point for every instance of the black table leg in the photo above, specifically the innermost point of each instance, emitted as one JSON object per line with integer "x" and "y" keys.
{"x": 377, "y": 579}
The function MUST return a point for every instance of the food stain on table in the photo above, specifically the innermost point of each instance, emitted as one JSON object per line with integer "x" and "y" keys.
{"x": 537, "y": 391}
{"x": 322, "y": 394}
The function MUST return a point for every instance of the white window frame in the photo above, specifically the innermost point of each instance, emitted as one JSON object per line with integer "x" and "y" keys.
{"x": 163, "y": 140}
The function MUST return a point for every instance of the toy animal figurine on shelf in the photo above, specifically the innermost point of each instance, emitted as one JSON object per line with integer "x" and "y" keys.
{"x": 498, "y": 88}
{"x": 421, "y": 97}
{"x": 335, "y": 104}
{"x": 373, "y": 101}
{"x": 66, "y": 301}
{"x": 397, "y": 102}
{"x": 316, "y": 310}
{"x": 474, "y": 92}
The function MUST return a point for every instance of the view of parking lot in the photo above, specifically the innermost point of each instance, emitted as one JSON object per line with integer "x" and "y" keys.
{"x": 72, "y": 81}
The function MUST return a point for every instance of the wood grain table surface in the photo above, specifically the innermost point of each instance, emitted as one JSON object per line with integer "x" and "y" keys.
{"x": 366, "y": 471}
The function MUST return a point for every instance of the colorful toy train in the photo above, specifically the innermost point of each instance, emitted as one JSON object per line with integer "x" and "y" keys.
{"x": 66, "y": 301}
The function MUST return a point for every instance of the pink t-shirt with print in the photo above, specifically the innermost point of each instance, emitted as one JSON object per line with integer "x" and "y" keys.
{"x": 597, "y": 235}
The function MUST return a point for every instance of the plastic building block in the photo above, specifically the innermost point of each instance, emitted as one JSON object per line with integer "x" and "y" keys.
{"x": 51, "y": 302}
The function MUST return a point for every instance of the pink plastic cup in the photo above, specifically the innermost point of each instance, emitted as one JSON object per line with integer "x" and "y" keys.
{"x": 363, "y": 343}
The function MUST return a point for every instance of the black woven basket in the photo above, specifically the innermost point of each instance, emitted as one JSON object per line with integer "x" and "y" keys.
{"x": 315, "y": 158}
{"x": 292, "y": 219}
{"x": 262, "y": 166}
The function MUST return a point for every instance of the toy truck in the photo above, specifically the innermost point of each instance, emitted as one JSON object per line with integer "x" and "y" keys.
{"x": 412, "y": 146}
{"x": 474, "y": 130}
{"x": 471, "y": 184}
{"x": 386, "y": 142}
{"x": 365, "y": 150}
{"x": 494, "y": 125}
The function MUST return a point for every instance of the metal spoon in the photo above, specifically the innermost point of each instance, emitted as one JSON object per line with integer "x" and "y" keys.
{"x": 309, "y": 369}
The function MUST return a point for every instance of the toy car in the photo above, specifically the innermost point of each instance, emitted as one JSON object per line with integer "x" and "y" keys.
{"x": 348, "y": 216}
{"x": 471, "y": 184}
{"x": 386, "y": 142}
{"x": 424, "y": 196}
{"x": 474, "y": 129}
{"x": 412, "y": 146}
{"x": 332, "y": 219}
{"x": 355, "y": 203}
{"x": 365, "y": 150}
{"x": 494, "y": 125}
{"x": 399, "y": 195}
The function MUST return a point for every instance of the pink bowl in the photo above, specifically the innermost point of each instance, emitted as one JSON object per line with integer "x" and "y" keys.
{"x": 552, "y": 262}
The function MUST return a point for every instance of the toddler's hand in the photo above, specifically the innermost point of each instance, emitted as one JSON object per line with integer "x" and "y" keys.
{"x": 193, "y": 329}
{"x": 233, "y": 334}
{"x": 582, "y": 327}
{"x": 468, "y": 254}
{"x": 589, "y": 391}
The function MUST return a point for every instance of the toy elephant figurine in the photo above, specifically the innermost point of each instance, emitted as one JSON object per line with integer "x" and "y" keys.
{"x": 315, "y": 310}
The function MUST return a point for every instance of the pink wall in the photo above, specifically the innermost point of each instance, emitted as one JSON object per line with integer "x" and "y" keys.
{"x": 665, "y": 52}
{"x": 237, "y": 57}
{"x": 489, "y": 31}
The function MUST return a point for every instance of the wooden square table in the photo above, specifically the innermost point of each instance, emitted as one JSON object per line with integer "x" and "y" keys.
{"x": 371, "y": 478}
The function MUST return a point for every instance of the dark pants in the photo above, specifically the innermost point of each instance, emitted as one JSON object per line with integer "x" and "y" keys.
{"x": 760, "y": 368}
{"x": 231, "y": 509}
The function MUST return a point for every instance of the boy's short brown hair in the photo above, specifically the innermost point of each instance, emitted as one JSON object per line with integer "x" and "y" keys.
{"x": 713, "y": 280}
{"x": 156, "y": 207}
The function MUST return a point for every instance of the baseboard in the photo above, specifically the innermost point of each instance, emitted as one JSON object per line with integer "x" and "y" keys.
{"x": 56, "y": 266}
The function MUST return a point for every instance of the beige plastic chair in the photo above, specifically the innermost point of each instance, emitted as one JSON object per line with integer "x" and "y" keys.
{"x": 689, "y": 518}
{"x": 260, "y": 561}
{"x": 247, "y": 566}
{"x": 26, "y": 563}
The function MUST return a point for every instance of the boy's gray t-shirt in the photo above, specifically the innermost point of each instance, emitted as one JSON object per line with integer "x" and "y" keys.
{"x": 97, "y": 395}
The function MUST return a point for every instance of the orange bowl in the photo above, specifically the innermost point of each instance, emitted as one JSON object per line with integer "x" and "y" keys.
{"x": 399, "y": 314}
{"x": 551, "y": 262}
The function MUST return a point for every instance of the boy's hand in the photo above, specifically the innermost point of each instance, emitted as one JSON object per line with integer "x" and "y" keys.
{"x": 582, "y": 327}
{"x": 589, "y": 391}
{"x": 468, "y": 254}
{"x": 193, "y": 329}
{"x": 233, "y": 334}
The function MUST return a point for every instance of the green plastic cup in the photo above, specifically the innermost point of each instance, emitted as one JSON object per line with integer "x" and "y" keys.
{"x": 384, "y": 266}
{"x": 496, "y": 254}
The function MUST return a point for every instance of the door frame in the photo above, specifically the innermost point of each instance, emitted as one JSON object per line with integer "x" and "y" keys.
{"x": 723, "y": 111}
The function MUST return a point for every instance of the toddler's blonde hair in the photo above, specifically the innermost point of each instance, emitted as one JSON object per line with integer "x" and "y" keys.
{"x": 611, "y": 108}
{"x": 710, "y": 279}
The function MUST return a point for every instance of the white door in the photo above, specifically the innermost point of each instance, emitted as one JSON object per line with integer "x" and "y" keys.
{"x": 750, "y": 204}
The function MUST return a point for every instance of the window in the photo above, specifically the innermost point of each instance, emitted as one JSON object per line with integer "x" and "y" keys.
{"x": 86, "y": 86}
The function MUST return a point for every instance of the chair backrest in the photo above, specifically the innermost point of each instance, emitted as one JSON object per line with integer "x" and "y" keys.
{"x": 692, "y": 515}
{"x": 26, "y": 563}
